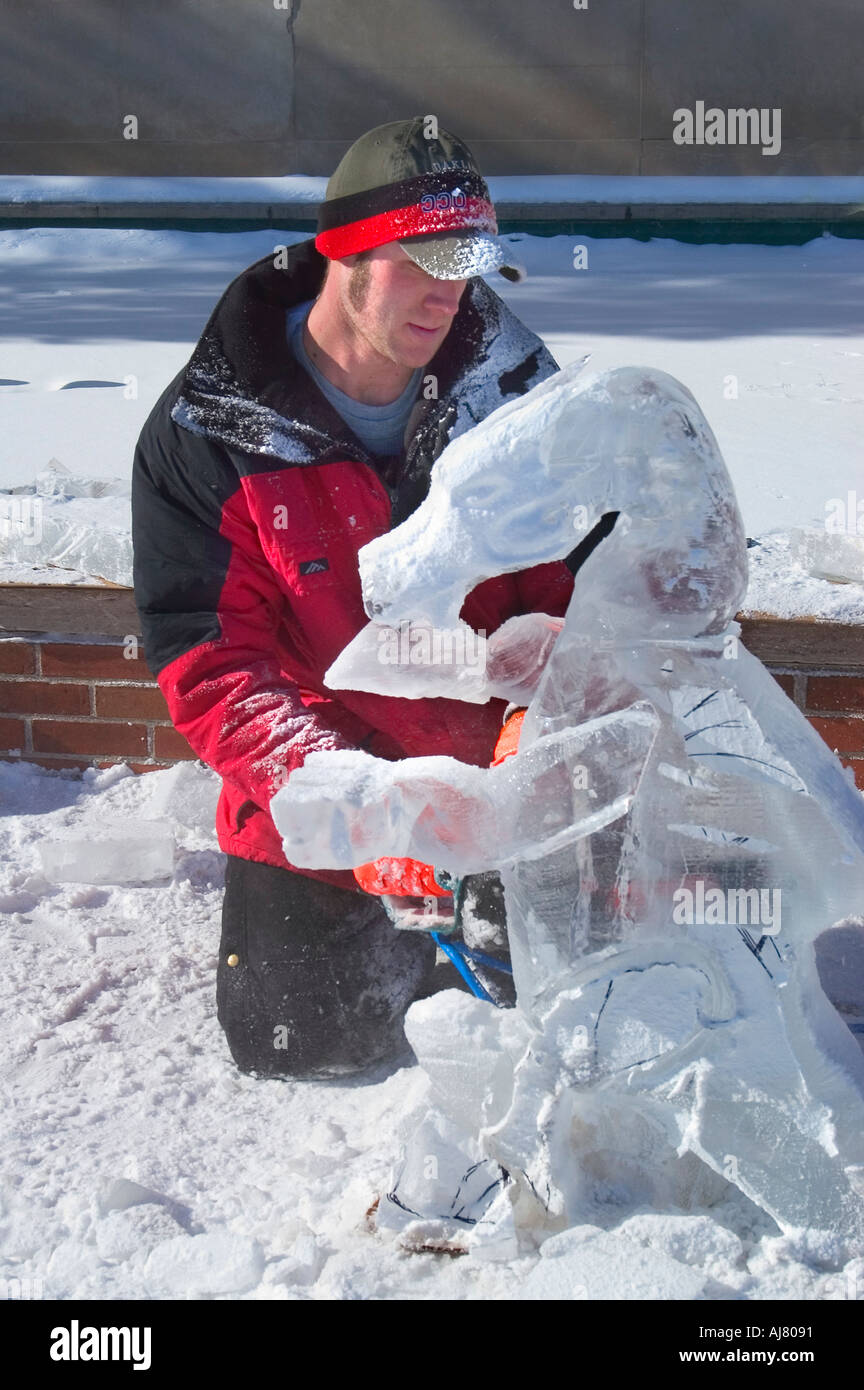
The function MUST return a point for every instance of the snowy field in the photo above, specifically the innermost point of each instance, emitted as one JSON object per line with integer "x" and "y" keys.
{"x": 137, "y": 1162}
{"x": 770, "y": 339}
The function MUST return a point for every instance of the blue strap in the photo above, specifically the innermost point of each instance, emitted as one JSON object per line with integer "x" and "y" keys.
{"x": 457, "y": 952}
{"x": 455, "y": 956}
{"x": 482, "y": 959}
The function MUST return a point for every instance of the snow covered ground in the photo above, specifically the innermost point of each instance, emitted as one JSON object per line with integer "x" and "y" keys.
{"x": 137, "y": 1162}
{"x": 770, "y": 339}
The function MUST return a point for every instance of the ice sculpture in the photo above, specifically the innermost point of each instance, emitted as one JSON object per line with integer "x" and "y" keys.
{"x": 672, "y": 834}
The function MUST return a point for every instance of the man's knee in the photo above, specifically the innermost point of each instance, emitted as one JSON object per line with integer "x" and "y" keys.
{"x": 313, "y": 980}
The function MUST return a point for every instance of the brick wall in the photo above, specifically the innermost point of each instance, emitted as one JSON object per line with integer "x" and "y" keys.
{"x": 83, "y": 703}
{"x": 820, "y": 665}
{"x": 72, "y": 702}
{"x": 834, "y": 705}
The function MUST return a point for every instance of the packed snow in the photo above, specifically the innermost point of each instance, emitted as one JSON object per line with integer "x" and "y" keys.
{"x": 137, "y": 1162}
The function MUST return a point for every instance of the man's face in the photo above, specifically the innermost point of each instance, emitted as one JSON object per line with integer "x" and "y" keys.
{"x": 400, "y": 310}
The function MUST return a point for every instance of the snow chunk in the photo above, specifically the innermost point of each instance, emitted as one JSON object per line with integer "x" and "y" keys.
{"x": 188, "y": 793}
{"x": 605, "y": 1265}
{"x": 126, "y": 852}
{"x": 693, "y": 1240}
{"x": 121, "y": 1235}
{"x": 218, "y": 1262}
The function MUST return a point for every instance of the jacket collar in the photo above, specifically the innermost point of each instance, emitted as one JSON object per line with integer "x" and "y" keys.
{"x": 243, "y": 387}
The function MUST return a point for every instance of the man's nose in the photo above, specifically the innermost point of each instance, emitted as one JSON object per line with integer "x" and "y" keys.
{"x": 445, "y": 294}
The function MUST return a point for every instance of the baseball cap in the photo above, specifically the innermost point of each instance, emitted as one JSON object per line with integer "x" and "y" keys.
{"x": 398, "y": 183}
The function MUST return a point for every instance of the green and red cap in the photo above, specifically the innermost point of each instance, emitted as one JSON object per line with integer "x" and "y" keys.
{"x": 398, "y": 183}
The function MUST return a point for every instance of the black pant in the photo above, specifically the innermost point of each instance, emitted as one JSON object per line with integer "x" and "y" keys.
{"x": 321, "y": 979}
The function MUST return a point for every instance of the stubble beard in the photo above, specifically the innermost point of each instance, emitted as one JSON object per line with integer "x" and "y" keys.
{"x": 358, "y": 285}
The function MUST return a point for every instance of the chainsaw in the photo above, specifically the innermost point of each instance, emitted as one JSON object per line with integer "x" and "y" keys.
{"x": 469, "y": 917}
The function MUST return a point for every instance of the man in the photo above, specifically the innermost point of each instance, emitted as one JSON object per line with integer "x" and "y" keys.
{"x": 327, "y": 381}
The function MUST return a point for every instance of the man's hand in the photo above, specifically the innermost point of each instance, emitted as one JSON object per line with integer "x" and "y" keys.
{"x": 516, "y": 655}
{"x": 403, "y": 878}
{"x": 508, "y": 739}
{"x": 410, "y": 877}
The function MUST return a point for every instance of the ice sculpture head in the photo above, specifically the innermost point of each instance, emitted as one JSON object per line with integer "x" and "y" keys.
{"x": 529, "y": 482}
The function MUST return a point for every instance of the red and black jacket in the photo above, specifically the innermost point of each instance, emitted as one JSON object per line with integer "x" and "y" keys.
{"x": 250, "y": 500}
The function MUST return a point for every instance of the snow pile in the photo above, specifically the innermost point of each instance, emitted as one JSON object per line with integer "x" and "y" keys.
{"x": 101, "y": 190}
{"x": 78, "y": 524}
{"x": 805, "y": 573}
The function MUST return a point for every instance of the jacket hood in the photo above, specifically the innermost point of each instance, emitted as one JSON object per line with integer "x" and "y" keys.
{"x": 243, "y": 387}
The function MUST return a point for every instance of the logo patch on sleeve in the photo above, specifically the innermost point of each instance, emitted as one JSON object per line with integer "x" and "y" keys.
{"x": 314, "y": 566}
